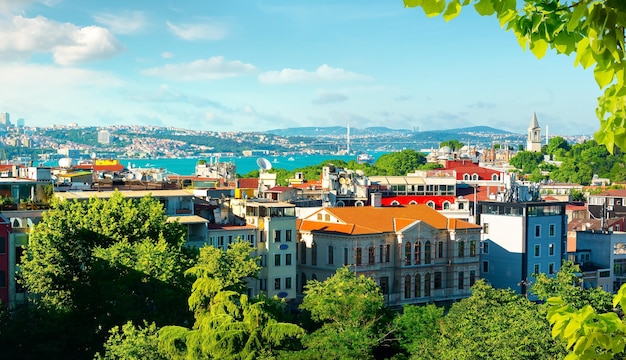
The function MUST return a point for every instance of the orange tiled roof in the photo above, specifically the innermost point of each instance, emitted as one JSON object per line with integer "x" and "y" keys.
{"x": 248, "y": 183}
{"x": 375, "y": 220}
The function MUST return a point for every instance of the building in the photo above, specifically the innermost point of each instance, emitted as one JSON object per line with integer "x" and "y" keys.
{"x": 5, "y": 232}
{"x": 521, "y": 239}
{"x": 5, "y": 120}
{"x": 533, "y": 142}
{"x": 608, "y": 204}
{"x": 104, "y": 137}
{"x": 602, "y": 256}
{"x": 414, "y": 253}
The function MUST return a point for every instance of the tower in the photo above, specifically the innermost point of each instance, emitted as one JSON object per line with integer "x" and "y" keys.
{"x": 533, "y": 143}
{"x": 348, "y": 142}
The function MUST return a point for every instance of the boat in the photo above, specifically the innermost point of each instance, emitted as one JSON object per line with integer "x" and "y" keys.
{"x": 364, "y": 158}
{"x": 291, "y": 158}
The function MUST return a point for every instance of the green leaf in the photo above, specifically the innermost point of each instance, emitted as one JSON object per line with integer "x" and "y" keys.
{"x": 453, "y": 10}
{"x": 412, "y": 3}
{"x": 603, "y": 75}
{"x": 433, "y": 7}
{"x": 579, "y": 12}
{"x": 539, "y": 47}
{"x": 485, "y": 7}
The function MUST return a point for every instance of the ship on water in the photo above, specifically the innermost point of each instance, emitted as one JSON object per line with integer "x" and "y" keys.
{"x": 364, "y": 158}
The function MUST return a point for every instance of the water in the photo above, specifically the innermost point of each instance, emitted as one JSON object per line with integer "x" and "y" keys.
{"x": 244, "y": 164}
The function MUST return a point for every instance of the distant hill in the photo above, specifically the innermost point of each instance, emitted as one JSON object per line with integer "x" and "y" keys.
{"x": 379, "y": 131}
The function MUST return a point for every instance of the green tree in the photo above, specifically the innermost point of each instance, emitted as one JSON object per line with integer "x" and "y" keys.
{"x": 99, "y": 263}
{"x": 592, "y": 29}
{"x": 452, "y": 144}
{"x": 417, "y": 326}
{"x": 228, "y": 324}
{"x": 399, "y": 163}
{"x": 132, "y": 343}
{"x": 492, "y": 324}
{"x": 526, "y": 161}
{"x": 557, "y": 146}
{"x": 350, "y": 309}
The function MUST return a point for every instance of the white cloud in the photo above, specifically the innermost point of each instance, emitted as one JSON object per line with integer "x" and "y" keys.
{"x": 124, "y": 23}
{"x": 322, "y": 73}
{"x": 167, "y": 55}
{"x": 211, "y": 69}
{"x": 67, "y": 43}
{"x": 214, "y": 31}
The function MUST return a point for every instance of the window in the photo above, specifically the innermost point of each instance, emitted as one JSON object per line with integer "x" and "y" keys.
{"x": 416, "y": 253}
{"x": 263, "y": 260}
{"x": 485, "y": 266}
{"x": 230, "y": 239}
{"x": 485, "y": 247}
{"x": 437, "y": 283}
{"x": 263, "y": 284}
{"x": 472, "y": 278}
{"x": 220, "y": 241}
{"x": 440, "y": 249}
{"x": 288, "y": 259}
{"x": 536, "y": 269}
{"x": 407, "y": 253}
{"x": 461, "y": 206}
{"x": 461, "y": 280}
{"x": 466, "y": 176}
{"x": 537, "y": 250}
{"x": 472, "y": 247}
{"x": 277, "y": 260}
{"x": 388, "y": 253}
{"x": 345, "y": 256}
{"x": 552, "y": 229}
{"x": 551, "y": 249}
{"x": 494, "y": 177}
{"x": 461, "y": 248}
{"x": 446, "y": 205}
{"x": 384, "y": 285}
{"x": 371, "y": 256}
{"x": 381, "y": 255}
{"x": 427, "y": 284}
{"x": 537, "y": 230}
{"x": 418, "y": 285}
{"x": 3, "y": 245}
{"x": 3, "y": 280}
{"x": 407, "y": 286}
{"x": 474, "y": 176}
{"x": 486, "y": 228}
{"x": 327, "y": 217}
{"x": 551, "y": 268}
{"x": 262, "y": 236}
{"x": 395, "y": 203}
{"x": 427, "y": 252}
{"x": 303, "y": 253}
{"x": 319, "y": 217}
{"x": 288, "y": 283}
{"x": 431, "y": 204}
{"x": 331, "y": 255}
{"x": 359, "y": 253}
{"x": 288, "y": 236}
{"x": 276, "y": 235}
{"x": 277, "y": 284}
{"x": 251, "y": 239}
{"x": 314, "y": 254}
{"x": 303, "y": 281}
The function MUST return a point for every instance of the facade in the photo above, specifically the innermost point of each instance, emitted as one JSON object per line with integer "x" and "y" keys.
{"x": 606, "y": 251}
{"x": 5, "y": 271}
{"x": 533, "y": 142}
{"x": 609, "y": 204}
{"x": 521, "y": 239}
{"x": 104, "y": 137}
{"x": 415, "y": 254}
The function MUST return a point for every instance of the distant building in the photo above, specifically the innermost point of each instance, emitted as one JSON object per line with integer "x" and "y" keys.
{"x": 20, "y": 123}
{"x": 5, "y": 231}
{"x": 5, "y": 120}
{"x": 533, "y": 143}
{"x": 104, "y": 137}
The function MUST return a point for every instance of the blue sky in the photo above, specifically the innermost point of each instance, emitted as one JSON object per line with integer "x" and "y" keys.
{"x": 245, "y": 65}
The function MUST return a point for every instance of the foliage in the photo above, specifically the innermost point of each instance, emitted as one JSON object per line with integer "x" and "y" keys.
{"x": 592, "y": 29}
{"x": 99, "y": 263}
{"x": 557, "y": 146}
{"x": 452, "y": 144}
{"x": 132, "y": 343}
{"x": 399, "y": 163}
{"x": 228, "y": 325}
{"x": 417, "y": 325}
{"x": 526, "y": 161}
{"x": 491, "y": 324}
{"x": 577, "y": 195}
{"x": 567, "y": 284}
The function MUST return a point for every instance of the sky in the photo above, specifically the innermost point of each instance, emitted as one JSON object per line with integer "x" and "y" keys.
{"x": 247, "y": 65}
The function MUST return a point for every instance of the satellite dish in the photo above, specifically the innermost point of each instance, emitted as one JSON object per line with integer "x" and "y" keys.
{"x": 342, "y": 180}
{"x": 263, "y": 163}
{"x": 93, "y": 155}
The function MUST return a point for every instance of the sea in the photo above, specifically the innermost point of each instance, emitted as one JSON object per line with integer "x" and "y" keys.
{"x": 187, "y": 166}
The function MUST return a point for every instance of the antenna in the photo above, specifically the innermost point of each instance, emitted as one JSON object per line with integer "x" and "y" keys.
{"x": 263, "y": 164}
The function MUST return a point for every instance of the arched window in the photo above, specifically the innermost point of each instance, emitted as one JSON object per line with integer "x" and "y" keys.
{"x": 446, "y": 205}
{"x": 461, "y": 206}
{"x": 472, "y": 245}
{"x": 494, "y": 177}
{"x": 331, "y": 255}
{"x": 427, "y": 284}
{"x": 412, "y": 202}
{"x": 407, "y": 253}
{"x": 417, "y": 253}
{"x": 359, "y": 203}
{"x": 371, "y": 255}
{"x": 17, "y": 223}
{"x": 395, "y": 203}
{"x": 340, "y": 204}
{"x": 439, "y": 249}
{"x": 431, "y": 204}
{"x": 466, "y": 176}
{"x": 303, "y": 252}
{"x": 461, "y": 248}
{"x": 407, "y": 287}
{"x": 474, "y": 176}
{"x": 303, "y": 282}
{"x": 427, "y": 252}
{"x": 418, "y": 285}
{"x": 313, "y": 277}
{"x": 314, "y": 254}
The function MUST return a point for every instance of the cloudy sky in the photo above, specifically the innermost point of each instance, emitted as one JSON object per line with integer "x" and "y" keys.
{"x": 248, "y": 65}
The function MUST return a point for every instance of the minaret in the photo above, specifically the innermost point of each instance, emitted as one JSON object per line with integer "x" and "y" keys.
{"x": 533, "y": 143}
{"x": 348, "y": 137}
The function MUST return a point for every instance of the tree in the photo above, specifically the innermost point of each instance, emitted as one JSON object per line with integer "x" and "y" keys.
{"x": 228, "y": 324}
{"x": 350, "y": 309}
{"x": 132, "y": 343}
{"x": 99, "y": 263}
{"x": 526, "y": 161}
{"x": 399, "y": 163}
{"x": 592, "y": 29}
{"x": 452, "y": 144}
{"x": 557, "y": 146}
{"x": 417, "y": 325}
{"x": 492, "y": 324}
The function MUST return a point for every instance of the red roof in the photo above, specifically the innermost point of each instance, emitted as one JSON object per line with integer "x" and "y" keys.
{"x": 470, "y": 168}
{"x": 417, "y": 199}
{"x": 248, "y": 183}
{"x": 114, "y": 168}
{"x": 280, "y": 189}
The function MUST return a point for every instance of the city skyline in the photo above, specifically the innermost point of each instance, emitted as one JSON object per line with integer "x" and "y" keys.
{"x": 241, "y": 66}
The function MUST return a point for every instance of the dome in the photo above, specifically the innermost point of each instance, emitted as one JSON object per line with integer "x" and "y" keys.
{"x": 66, "y": 162}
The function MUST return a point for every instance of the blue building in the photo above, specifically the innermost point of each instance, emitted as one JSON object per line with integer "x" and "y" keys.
{"x": 521, "y": 239}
